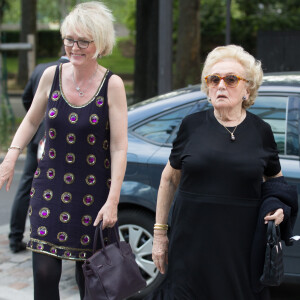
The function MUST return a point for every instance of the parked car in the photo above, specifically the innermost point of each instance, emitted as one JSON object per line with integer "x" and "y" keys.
{"x": 153, "y": 125}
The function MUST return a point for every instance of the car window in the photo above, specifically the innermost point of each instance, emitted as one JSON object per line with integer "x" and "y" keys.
{"x": 293, "y": 127}
{"x": 159, "y": 129}
{"x": 201, "y": 105}
{"x": 272, "y": 109}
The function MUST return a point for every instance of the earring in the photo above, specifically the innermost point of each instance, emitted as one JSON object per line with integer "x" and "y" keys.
{"x": 244, "y": 98}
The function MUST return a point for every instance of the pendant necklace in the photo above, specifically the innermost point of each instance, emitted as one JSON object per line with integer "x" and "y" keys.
{"x": 78, "y": 89}
{"x": 232, "y": 136}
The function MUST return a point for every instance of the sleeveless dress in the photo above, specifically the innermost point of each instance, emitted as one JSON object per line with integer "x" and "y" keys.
{"x": 72, "y": 180}
{"x": 216, "y": 208}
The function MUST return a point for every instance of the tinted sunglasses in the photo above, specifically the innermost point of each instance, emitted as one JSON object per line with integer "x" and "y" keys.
{"x": 230, "y": 80}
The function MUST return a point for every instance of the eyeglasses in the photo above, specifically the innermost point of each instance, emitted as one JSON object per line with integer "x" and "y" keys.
{"x": 80, "y": 43}
{"x": 230, "y": 80}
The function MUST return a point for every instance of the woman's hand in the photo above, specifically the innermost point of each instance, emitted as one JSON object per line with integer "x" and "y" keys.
{"x": 108, "y": 214}
{"x": 160, "y": 250}
{"x": 276, "y": 215}
{"x": 7, "y": 172}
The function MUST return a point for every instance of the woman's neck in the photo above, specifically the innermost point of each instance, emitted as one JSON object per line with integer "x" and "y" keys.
{"x": 230, "y": 117}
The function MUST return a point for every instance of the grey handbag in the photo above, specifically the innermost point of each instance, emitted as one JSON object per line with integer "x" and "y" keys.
{"x": 111, "y": 273}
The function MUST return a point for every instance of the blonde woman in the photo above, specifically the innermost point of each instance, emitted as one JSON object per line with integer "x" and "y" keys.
{"x": 78, "y": 180}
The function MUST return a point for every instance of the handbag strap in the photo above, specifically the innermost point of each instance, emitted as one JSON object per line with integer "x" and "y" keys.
{"x": 273, "y": 233}
{"x": 99, "y": 232}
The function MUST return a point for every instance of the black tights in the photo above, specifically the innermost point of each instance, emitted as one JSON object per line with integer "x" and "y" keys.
{"x": 46, "y": 276}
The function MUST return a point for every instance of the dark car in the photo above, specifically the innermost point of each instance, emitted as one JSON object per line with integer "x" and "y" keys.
{"x": 153, "y": 125}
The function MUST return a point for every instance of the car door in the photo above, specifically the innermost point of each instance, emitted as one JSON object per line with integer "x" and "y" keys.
{"x": 282, "y": 112}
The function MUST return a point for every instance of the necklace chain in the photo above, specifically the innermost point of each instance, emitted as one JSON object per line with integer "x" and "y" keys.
{"x": 78, "y": 89}
{"x": 232, "y": 136}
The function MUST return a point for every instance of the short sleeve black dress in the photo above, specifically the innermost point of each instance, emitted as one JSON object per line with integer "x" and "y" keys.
{"x": 216, "y": 208}
{"x": 72, "y": 180}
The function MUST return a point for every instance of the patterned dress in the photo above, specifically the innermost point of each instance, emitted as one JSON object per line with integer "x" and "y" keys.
{"x": 72, "y": 180}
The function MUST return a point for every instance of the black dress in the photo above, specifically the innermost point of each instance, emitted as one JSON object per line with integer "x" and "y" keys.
{"x": 72, "y": 180}
{"x": 216, "y": 207}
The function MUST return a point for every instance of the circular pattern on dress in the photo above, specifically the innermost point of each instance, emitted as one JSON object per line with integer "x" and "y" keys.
{"x": 55, "y": 95}
{"x": 70, "y": 158}
{"x": 32, "y": 191}
{"x": 82, "y": 255}
{"x": 99, "y": 101}
{"x": 53, "y": 113}
{"x": 88, "y": 200}
{"x": 53, "y": 250}
{"x": 37, "y": 173}
{"x": 52, "y": 153}
{"x": 50, "y": 173}
{"x": 40, "y": 246}
{"x": 42, "y": 231}
{"x": 94, "y": 119}
{"x": 29, "y": 210}
{"x": 62, "y": 236}
{"x": 105, "y": 144}
{"x": 66, "y": 197}
{"x": 73, "y": 118}
{"x": 106, "y": 163}
{"x": 91, "y": 159}
{"x": 86, "y": 220}
{"x": 47, "y": 195}
{"x": 108, "y": 182}
{"x": 67, "y": 254}
{"x": 90, "y": 179}
{"x": 85, "y": 240}
{"x": 91, "y": 139}
{"x": 44, "y": 212}
{"x": 71, "y": 138}
{"x": 65, "y": 217}
{"x": 52, "y": 133}
{"x": 69, "y": 178}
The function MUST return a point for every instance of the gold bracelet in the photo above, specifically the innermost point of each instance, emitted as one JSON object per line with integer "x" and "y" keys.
{"x": 15, "y": 147}
{"x": 161, "y": 226}
{"x": 165, "y": 229}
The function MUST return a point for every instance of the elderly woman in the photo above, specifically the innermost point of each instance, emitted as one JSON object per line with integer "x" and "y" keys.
{"x": 78, "y": 180}
{"x": 219, "y": 160}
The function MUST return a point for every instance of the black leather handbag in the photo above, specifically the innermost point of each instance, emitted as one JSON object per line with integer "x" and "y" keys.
{"x": 273, "y": 266}
{"x": 111, "y": 273}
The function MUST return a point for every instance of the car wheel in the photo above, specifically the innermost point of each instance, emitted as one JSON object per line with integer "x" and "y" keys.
{"x": 136, "y": 228}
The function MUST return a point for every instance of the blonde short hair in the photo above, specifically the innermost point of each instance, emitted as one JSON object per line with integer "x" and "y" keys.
{"x": 252, "y": 67}
{"x": 94, "y": 19}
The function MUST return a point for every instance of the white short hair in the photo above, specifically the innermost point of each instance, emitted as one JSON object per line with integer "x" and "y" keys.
{"x": 252, "y": 67}
{"x": 95, "y": 20}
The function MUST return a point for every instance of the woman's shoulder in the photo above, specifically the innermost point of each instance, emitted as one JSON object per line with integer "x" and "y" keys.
{"x": 258, "y": 121}
{"x": 196, "y": 118}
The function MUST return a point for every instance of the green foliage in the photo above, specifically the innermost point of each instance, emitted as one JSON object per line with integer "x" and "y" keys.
{"x": 48, "y": 11}
{"x": 116, "y": 62}
{"x": 6, "y": 125}
{"x": 12, "y": 13}
{"x": 247, "y": 18}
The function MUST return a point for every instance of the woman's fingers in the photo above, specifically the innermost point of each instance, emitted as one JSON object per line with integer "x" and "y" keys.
{"x": 160, "y": 252}
{"x": 277, "y": 216}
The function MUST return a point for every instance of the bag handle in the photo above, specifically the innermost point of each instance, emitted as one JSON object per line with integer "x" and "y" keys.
{"x": 99, "y": 232}
{"x": 273, "y": 233}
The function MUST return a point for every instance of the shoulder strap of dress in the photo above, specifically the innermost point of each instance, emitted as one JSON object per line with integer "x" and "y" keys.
{"x": 55, "y": 83}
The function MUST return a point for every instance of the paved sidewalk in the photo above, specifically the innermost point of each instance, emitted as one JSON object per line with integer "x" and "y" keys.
{"x": 16, "y": 281}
